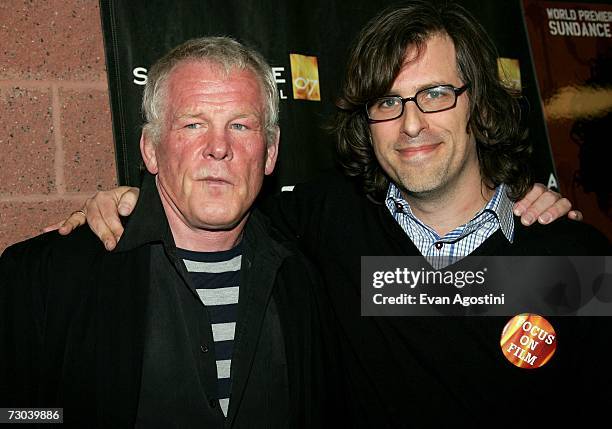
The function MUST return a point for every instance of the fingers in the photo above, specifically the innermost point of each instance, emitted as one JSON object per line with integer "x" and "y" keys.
{"x": 76, "y": 219}
{"x": 128, "y": 200}
{"x": 98, "y": 225}
{"x": 521, "y": 206}
{"x": 53, "y": 227}
{"x": 542, "y": 205}
{"x": 560, "y": 208}
{"x": 575, "y": 215}
{"x": 103, "y": 213}
{"x": 108, "y": 230}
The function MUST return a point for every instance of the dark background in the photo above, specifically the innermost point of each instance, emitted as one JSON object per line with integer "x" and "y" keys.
{"x": 138, "y": 32}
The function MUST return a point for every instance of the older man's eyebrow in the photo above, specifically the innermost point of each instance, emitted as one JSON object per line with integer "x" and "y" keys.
{"x": 196, "y": 114}
{"x": 187, "y": 115}
{"x": 248, "y": 116}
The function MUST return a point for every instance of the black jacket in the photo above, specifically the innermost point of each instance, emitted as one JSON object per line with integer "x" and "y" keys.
{"x": 75, "y": 319}
{"x": 441, "y": 371}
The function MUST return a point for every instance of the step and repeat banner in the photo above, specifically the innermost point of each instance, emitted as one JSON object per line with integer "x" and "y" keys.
{"x": 307, "y": 43}
{"x": 571, "y": 45}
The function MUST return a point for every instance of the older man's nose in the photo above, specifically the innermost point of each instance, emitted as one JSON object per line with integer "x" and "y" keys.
{"x": 218, "y": 146}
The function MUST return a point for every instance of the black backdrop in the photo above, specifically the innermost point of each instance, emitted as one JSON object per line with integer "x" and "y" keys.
{"x": 138, "y": 32}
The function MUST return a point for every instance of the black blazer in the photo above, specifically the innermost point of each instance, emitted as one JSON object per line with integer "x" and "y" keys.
{"x": 73, "y": 327}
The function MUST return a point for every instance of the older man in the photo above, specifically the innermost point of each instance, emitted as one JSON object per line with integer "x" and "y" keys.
{"x": 201, "y": 316}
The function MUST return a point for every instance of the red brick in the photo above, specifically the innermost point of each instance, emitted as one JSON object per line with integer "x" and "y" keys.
{"x": 89, "y": 155}
{"x": 55, "y": 39}
{"x": 19, "y": 220}
{"x": 26, "y": 139}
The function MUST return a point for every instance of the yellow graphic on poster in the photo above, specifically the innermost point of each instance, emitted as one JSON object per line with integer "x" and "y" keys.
{"x": 509, "y": 72}
{"x": 305, "y": 77}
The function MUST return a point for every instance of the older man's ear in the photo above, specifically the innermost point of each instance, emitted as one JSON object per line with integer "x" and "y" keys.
{"x": 272, "y": 153}
{"x": 148, "y": 151}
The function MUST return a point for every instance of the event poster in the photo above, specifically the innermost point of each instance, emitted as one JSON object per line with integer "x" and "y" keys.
{"x": 571, "y": 45}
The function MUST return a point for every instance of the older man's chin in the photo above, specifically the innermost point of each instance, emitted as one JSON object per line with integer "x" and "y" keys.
{"x": 219, "y": 221}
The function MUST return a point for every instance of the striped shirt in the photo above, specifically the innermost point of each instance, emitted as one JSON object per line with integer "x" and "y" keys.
{"x": 215, "y": 277}
{"x": 463, "y": 240}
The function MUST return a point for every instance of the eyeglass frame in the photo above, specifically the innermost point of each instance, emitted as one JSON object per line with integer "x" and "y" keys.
{"x": 457, "y": 92}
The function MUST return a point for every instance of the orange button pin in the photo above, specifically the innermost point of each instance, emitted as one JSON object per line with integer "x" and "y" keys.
{"x": 528, "y": 341}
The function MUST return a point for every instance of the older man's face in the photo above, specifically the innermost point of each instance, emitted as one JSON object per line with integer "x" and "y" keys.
{"x": 428, "y": 154}
{"x": 212, "y": 155}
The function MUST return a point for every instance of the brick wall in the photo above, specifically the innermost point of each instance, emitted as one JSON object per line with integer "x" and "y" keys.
{"x": 55, "y": 128}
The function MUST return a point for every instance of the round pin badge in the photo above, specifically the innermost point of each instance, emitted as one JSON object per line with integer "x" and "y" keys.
{"x": 528, "y": 341}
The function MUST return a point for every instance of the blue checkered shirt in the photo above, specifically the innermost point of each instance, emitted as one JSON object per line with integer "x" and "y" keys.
{"x": 463, "y": 240}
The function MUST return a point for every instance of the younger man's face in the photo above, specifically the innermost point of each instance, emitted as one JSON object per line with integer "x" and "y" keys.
{"x": 428, "y": 154}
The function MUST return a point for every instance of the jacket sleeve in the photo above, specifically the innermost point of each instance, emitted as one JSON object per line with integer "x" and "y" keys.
{"x": 21, "y": 313}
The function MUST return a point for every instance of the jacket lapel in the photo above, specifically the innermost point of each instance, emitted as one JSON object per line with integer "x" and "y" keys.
{"x": 261, "y": 260}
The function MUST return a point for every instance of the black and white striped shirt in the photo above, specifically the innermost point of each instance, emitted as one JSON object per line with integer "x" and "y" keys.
{"x": 215, "y": 277}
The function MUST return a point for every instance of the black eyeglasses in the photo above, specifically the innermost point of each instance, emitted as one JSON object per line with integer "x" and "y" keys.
{"x": 429, "y": 100}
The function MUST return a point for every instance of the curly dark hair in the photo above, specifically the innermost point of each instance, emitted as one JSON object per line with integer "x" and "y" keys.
{"x": 376, "y": 59}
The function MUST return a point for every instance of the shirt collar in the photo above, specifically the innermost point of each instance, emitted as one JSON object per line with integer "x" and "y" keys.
{"x": 500, "y": 205}
{"x": 148, "y": 222}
